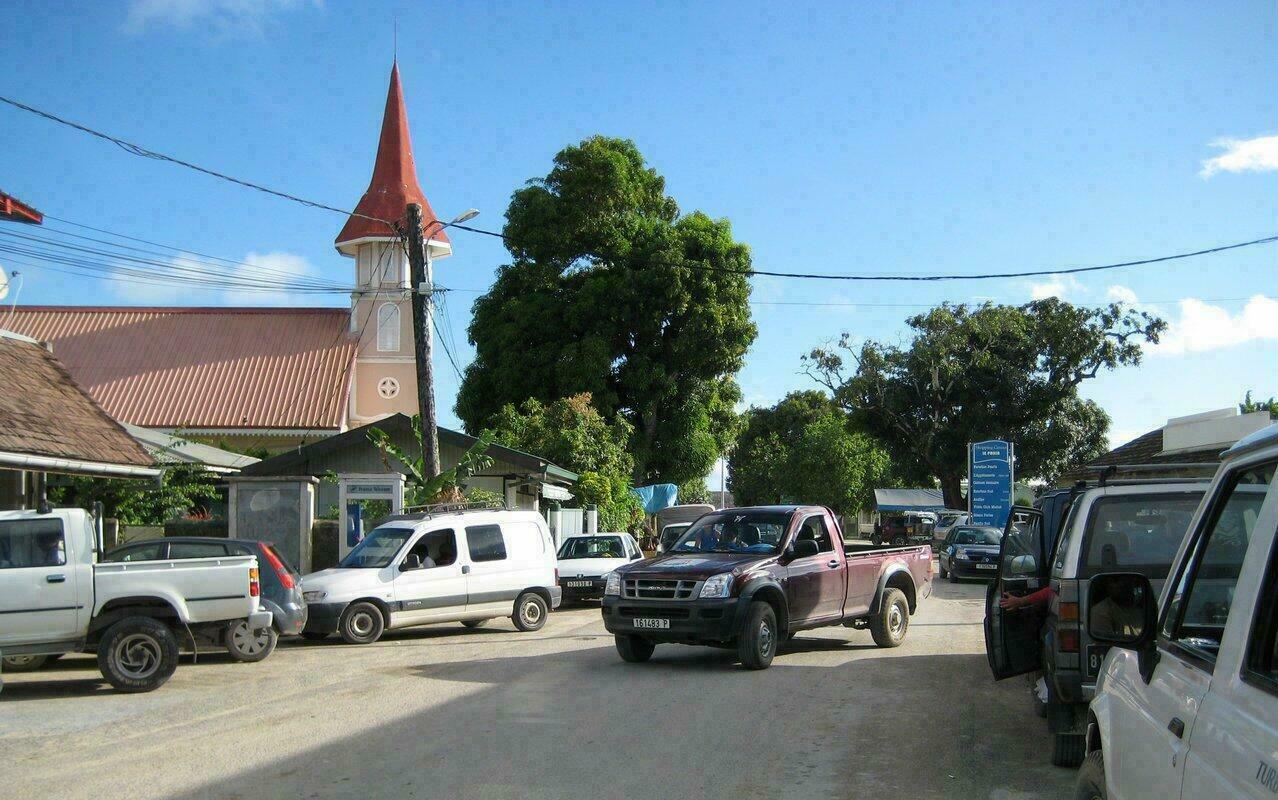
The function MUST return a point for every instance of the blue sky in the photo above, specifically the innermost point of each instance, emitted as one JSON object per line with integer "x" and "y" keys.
{"x": 858, "y": 137}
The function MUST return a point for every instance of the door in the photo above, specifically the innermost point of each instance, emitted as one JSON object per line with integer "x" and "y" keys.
{"x": 1013, "y": 643}
{"x": 38, "y": 588}
{"x": 1154, "y": 732}
{"x": 814, "y": 585}
{"x": 492, "y": 584}
{"x": 434, "y": 591}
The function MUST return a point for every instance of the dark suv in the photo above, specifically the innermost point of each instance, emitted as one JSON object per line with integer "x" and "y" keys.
{"x": 281, "y": 585}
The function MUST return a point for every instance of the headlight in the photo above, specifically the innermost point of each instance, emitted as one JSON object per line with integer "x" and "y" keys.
{"x": 717, "y": 585}
{"x": 613, "y": 586}
{"x": 314, "y": 597}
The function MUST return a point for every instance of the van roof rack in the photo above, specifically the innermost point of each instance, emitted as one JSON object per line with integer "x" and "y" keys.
{"x": 436, "y": 509}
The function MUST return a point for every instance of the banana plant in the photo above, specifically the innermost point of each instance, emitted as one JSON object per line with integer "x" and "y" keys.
{"x": 442, "y": 488}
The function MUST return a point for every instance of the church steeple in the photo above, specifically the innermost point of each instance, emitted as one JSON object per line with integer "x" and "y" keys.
{"x": 394, "y": 183}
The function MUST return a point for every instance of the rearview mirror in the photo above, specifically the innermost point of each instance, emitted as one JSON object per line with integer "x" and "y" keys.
{"x": 804, "y": 548}
{"x": 1022, "y": 565}
{"x": 1121, "y": 609}
{"x": 411, "y": 561}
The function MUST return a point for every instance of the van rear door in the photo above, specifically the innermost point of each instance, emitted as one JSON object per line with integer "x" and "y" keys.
{"x": 1012, "y": 642}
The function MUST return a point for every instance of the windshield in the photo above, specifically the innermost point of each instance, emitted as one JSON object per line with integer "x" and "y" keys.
{"x": 671, "y": 533}
{"x": 592, "y": 547}
{"x": 378, "y": 549}
{"x": 978, "y": 536}
{"x": 736, "y": 532}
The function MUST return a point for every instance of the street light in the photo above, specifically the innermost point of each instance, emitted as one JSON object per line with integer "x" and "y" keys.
{"x": 465, "y": 216}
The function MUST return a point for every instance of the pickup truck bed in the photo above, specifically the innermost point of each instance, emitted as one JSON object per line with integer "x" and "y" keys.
{"x": 742, "y": 573}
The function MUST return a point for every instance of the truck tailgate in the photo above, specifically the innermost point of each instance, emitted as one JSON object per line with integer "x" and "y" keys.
{"x": 201, "y": 589}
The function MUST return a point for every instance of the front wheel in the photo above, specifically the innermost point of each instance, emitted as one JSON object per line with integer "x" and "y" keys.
{"x": 1068, "y": 749}
{"x": 530, "y": 612}
{"x": 1091, "y": 778}
{"x": 633, "y": 649}
{"x": 900, "y": 541}
{"x": 953, "y": 577}
{"x": 138, "y": 654}
{"x": 944, "y": 573}
{"x": 888, "y": 627}
{"x": 757, "y": 644}
{"x": 23, "y": 663}
{"x": 249, "y": 646}
{"x": 361, "y": 623}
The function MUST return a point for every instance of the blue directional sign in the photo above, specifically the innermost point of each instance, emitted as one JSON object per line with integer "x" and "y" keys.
{"x": 989, "y": 472}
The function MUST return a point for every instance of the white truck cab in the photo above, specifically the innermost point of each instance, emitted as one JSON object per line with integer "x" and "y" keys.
{"x": 1186, "y": 702}
{"x": 55, "y": 599}
{"x": 464, "y": 566}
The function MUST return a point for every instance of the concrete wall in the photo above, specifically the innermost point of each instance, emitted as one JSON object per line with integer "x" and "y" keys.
{"x": 280, "y": 511}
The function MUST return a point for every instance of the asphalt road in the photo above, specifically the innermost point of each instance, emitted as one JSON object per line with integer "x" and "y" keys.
{"x": 451, "y": 713}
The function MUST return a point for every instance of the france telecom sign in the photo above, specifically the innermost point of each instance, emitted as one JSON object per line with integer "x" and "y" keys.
{"x": 990, "y": 478}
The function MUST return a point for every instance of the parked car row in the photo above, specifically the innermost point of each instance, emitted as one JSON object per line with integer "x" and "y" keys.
{"x": 1158, "y": 636}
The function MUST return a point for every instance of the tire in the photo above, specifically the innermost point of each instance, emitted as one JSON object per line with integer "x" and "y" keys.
{"x": 876, "y": 540}
{"x": 138, "y": 654}
{"x": 1068, "y": 749}
{"x": 361, "y": 623}
{"x": 757, "y": 643}
{"x": 942, "y": 571}
{"x": 249, "y": 646}
{"x": 314, "y": 636}
{"x": 530, "y": 612}
{"x": 633, "y": 649}
{"x": 888, "y": 627}
{"x": 1091, "y": 778}
{"x": 953, "y": 577}
{"x": 23, "y": 663}
{"x": 900, "y": 541}
{"x": 474, "y": 623}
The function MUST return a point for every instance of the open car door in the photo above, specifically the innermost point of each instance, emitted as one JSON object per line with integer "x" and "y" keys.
{"x": 1012, "y": 639}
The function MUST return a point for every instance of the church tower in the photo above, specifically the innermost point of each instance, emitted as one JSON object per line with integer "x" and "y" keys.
{"x": 384, "y": 379}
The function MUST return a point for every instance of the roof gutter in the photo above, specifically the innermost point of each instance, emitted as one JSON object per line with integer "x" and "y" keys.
{"x": 75, "y": 466}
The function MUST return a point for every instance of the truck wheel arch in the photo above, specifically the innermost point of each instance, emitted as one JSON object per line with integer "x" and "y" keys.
{"x": 769, "y": 592}
{"x": 897, "y": 577}
{"x": 118, "y": 608}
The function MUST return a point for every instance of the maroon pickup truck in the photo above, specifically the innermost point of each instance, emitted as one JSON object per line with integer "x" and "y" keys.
{"x": 753, "y": 577}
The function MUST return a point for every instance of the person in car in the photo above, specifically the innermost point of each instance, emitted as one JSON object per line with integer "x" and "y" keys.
{"x": 49, "y": 546}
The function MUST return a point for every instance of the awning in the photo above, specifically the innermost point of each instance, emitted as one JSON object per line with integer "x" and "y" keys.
{"x": 908, "y": 500}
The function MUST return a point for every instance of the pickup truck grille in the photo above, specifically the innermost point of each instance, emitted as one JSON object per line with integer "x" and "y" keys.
{"x": 650, "y": 589}
{"x": 664, "y": 613}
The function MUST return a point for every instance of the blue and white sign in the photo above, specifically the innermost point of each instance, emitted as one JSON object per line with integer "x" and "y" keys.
{"x": 990, "y": 478}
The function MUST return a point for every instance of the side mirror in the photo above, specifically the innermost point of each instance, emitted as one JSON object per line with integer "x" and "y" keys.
{"x": 1022, "y": 565}
{"x": 412, "y": 561}
{"x": 804, "y": 548}
{"x": 1121, "y": 610}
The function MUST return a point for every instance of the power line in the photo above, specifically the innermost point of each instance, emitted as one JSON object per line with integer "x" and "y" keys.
{"x": 139, "y": 150}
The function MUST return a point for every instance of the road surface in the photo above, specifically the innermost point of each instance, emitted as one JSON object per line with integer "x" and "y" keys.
{"x": 445, "y": 712}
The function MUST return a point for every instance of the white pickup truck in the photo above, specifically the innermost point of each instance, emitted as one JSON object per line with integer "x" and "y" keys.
{"x": 55, "y": 599}
{"x": 1186, "y": 702}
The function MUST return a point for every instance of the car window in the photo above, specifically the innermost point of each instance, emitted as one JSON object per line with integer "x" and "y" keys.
{"x": 736, "y": 531}
{"x": 436, "y": 549}
{"x": 592, "y": 547}
{"x": 1204, "y": 589}
{"x": 377, "y": 549}
{"x": 1137, "y": 533}
{"x": 1262, "y": 650}
{"x": 977, "y": 536}
{"x": 485, "y": 543}
{"x": 147, "y": 552}
{"x": 1023, "y": 547}
{"x": 814, "y": 528}
{"x": 196, "y": 550}
{"x": 32, "y": 543}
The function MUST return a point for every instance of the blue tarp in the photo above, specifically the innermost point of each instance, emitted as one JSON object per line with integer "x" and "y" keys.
{"x": 908, "y": 500}
{"x": 657, "y": 496}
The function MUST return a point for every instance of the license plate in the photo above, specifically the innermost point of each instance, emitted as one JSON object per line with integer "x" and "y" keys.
{"x": 579, "y": 584}
{"x": 987, "y": 566}
{"x": 1095, "y": 657}
{"x": 652, "y": 623}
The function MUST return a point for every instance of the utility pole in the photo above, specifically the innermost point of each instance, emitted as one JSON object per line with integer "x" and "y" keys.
{"x": 423, "y": 288}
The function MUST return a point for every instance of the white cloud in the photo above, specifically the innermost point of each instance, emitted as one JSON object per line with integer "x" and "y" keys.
{"x": 1057, "y": 286}
{"x": 1243, "y": 155}
{"x": 262, "y": 269}
{"x": 221, "y": 16}
{"x": 1202, "y": 326}
{"x": 1121, "y": 294}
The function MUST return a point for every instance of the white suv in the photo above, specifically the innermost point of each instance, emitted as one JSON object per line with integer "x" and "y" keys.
{"x": 1186, "y": 701}
{"x": 455, "y": 566}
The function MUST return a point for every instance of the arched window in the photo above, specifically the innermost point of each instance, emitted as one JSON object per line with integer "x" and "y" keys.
{"x": 388, "y": 328}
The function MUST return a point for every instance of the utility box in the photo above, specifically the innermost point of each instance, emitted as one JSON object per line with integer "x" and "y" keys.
{"x": 277, "y": 510}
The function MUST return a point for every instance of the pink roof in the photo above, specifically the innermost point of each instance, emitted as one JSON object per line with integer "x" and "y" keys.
{"x": 394, "y": 184}
{"x": 204, "y": 367}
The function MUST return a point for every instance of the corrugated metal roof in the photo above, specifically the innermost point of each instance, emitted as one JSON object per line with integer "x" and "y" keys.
{"x": 204, "y": 367}
{"x": 44, "y": 413}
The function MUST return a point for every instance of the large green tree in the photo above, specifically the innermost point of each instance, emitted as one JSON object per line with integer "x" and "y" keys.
{"x": 612, "y": 291}
{"x": 805, "y": 450}
{"x": 991, "y": 371}
{"x": 573, "y": 434}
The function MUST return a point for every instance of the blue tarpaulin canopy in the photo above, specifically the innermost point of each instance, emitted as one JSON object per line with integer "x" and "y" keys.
{"x": 657, "y": 496}
{"x": 908, "y": 500}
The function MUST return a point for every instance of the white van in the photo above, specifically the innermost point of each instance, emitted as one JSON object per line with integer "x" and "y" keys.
{"x": 456, "y": 566}
{"x": 1186, "y": 702}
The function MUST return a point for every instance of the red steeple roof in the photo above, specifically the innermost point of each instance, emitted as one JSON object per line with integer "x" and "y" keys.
{"x": 394, "y": 184}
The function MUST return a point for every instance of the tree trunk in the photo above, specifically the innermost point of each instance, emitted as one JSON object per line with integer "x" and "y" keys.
{"x": 952, "y": 489}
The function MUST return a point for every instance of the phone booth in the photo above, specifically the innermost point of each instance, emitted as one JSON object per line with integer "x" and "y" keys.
{"x": 354, "y": 490}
